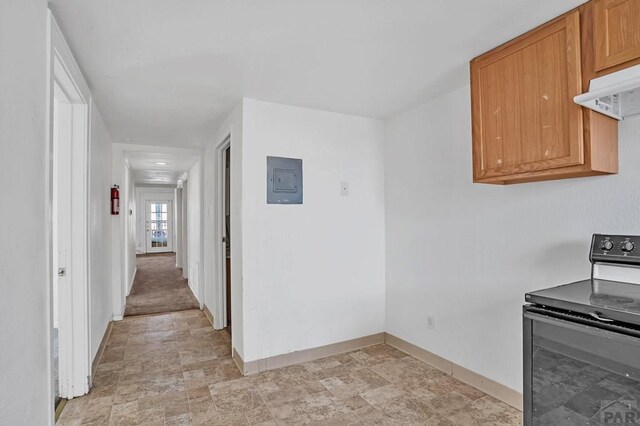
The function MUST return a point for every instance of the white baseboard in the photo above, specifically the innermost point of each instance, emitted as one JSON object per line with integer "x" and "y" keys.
{"x": 121, "y": 316}
{"x": 133, "y": 278}
{"x": 306, "y": 355}
{"x": 101, "y": 348}
{"x": 237, "y": 359}
{"x": 208, "y": 313}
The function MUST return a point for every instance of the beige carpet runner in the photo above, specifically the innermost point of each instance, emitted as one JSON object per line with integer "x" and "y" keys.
{"x": 159, "y": 287}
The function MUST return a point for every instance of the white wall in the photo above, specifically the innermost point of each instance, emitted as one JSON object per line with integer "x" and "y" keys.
{"x": 313, "y": 274}
{"x": 210, "y": 242}
{"x": 466, "y": 253}
{"x": 24, "y": 303}
{"x": 194, "y": 226}
{"x": 178, "y": 223}
{"x": 119, "y": 170}
{"x": 130, "y": 213}
{"x": 100, "y": 249}
{"x": 144, "y": 194}
{"x": 123, "y": 232}
{"x": 185, "y": 229}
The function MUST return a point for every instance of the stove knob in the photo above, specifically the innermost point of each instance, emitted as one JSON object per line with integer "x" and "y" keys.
{"x": 607, "y": 245}
{"x": 627, "y": 246}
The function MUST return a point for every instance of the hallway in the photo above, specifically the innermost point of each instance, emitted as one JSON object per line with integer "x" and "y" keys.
{"x": 173, "y": 369}
{"x": 159, "y": 287}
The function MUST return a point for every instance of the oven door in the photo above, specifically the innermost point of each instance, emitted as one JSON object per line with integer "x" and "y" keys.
{"x": 579, "y": 371}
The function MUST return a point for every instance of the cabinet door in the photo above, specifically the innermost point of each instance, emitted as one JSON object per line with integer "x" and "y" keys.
{"x": 524, "y": 117}
{"x": 616, "y": 32}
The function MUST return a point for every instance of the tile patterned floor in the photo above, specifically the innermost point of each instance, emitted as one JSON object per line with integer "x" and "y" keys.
{"x": 174, "y": 369}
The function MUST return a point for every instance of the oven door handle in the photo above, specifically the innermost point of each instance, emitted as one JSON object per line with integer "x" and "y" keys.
{"x": 595, "y": 327}
{"x": 599, "y": 318}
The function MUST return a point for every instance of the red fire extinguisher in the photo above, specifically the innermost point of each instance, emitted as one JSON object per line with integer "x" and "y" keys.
{"x": 115, "y": 200}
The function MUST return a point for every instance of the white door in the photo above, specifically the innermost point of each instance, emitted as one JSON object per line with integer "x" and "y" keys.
{"x": 61, "y": 232}
{"x": 159, "y": 224}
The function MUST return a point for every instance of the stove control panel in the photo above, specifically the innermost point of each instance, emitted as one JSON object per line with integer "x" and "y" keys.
{"x": 622, "y": 249}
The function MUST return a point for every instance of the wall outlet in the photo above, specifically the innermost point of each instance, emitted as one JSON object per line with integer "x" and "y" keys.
{"x": 430, "y": 322}
{"x": 344, "y": 189}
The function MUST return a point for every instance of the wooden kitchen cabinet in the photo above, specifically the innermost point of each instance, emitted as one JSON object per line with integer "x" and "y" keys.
{"x": 616, "y": 32}
{"x": 526, "y": 126}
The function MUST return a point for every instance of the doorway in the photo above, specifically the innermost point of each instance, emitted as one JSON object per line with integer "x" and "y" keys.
{"x": 227, "y": 234}
{"x": 222, "y": 249}
{"x": 68, "y": 227}
{"x": 159, "y": 226}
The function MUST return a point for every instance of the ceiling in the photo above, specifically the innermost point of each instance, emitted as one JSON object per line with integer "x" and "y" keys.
{"x": 158, "y": 165}
{"x": 167, "y": 72}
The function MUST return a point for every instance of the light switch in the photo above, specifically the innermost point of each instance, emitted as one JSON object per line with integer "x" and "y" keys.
{"x": 344, "y": 189}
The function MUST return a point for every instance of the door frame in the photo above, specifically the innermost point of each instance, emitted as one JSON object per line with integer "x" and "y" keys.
{"x": 74, "y": 310}
{"x": 170, "y": 225}
{"x": 219, "y": 248}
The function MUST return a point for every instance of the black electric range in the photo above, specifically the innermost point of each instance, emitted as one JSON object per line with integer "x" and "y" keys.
{"x": 582, "y": 342}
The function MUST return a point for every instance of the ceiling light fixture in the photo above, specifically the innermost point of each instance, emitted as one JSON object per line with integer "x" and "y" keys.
{"x": 161, "y": 163}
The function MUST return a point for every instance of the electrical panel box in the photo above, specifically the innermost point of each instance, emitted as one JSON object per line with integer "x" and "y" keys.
{"x": 284, "y": 180}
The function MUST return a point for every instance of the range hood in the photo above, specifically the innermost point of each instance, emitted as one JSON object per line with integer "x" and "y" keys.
{"x": 616, "y": 95}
